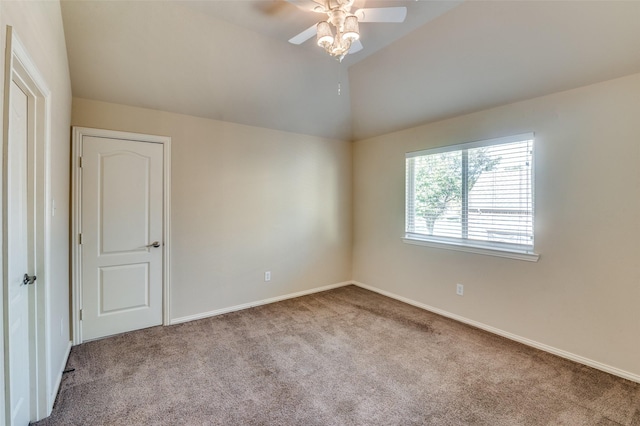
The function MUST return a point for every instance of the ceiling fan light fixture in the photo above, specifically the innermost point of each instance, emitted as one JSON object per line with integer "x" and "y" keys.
{"x": 325, "y": 36}
{"x": 351, "y": 31}
{"x": 340, "y": 32}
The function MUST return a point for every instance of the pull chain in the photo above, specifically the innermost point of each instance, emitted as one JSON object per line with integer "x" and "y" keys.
{"x": 340, "y": 76}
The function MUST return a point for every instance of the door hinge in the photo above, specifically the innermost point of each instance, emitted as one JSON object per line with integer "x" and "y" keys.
{"x": 80, "y": 238}
{"x": 80, "y": 162}
{"x": 80, "y": 314}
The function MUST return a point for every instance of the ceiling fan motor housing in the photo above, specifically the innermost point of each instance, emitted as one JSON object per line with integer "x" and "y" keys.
{"x": 329, "y": 5}
{"x": 337, "y": 17}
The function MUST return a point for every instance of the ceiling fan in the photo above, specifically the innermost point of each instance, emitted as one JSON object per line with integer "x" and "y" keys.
{"x": 344, "y": 38}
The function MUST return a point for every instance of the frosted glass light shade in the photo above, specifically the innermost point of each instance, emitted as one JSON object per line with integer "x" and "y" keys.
{"x": 325, "y": 37}
{"x": 351, "y": 30}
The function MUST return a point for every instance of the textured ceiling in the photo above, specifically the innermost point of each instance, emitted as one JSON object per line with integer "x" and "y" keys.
{"x": 230, "y": 60}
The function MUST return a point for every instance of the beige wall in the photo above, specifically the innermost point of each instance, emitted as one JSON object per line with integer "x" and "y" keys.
{"x": 583, "y": 296}
{"x": 244, "y": 200}
{"x": 38, "y": 24}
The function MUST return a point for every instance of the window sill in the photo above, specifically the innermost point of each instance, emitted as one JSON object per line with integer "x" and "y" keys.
{"x": 511, "y": 254}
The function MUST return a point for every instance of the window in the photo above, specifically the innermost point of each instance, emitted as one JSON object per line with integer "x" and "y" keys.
{"x": 474, "y": 197}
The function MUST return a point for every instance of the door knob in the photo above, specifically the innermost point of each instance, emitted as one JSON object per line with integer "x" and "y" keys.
{"x": 28, "y": 279}
{"x": 154, "y": 244}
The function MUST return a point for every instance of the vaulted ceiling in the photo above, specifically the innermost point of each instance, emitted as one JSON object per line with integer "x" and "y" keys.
{"x": 230, "y": 60}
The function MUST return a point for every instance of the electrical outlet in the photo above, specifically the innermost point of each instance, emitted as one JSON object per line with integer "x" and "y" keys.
{"x": 267, "y": 276}
{"x": 459, "y": 289}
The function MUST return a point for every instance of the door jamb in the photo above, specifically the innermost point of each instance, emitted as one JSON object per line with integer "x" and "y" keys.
{"x": 19, "y": 65}
{"x": 76, "y": 226}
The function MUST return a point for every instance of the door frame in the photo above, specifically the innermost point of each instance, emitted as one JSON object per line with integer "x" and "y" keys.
{"x": 20, "y": 67}
{"x": 76, "y": 214}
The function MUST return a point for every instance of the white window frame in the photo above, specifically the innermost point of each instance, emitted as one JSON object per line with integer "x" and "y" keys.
{"x": 513, "y": 251}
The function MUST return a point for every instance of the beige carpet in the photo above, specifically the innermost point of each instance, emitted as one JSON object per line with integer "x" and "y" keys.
{"x": 342, "y": 357}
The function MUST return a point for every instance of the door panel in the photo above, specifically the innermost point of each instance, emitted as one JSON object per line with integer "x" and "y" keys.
{"x": 18, "y": 257}
{"x": 121, "y": 217}
{"x": 124, "y": 229}
{"x": 124, "y": 287}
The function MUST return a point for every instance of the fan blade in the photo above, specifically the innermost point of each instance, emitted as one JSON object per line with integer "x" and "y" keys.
{"x": 304, "y": 36}
{"x": 382, "y": 14}
{"x": 273, "y": 7}
{"x": 308, "y": 5}
{"x": 356, "y": 46}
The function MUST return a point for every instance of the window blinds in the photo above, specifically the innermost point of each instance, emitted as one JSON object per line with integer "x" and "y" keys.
{"x": 478, "y": 194}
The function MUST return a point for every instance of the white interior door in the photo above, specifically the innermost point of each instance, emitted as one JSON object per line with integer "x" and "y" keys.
{"x": 122, "y": 235}
{"x": 18, "y": 258}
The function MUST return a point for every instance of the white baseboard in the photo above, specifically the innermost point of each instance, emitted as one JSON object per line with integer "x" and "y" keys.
{"x": 56, "y": 386}
{"x": 257, "y": 303}
{"x": 559, "y": 352}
